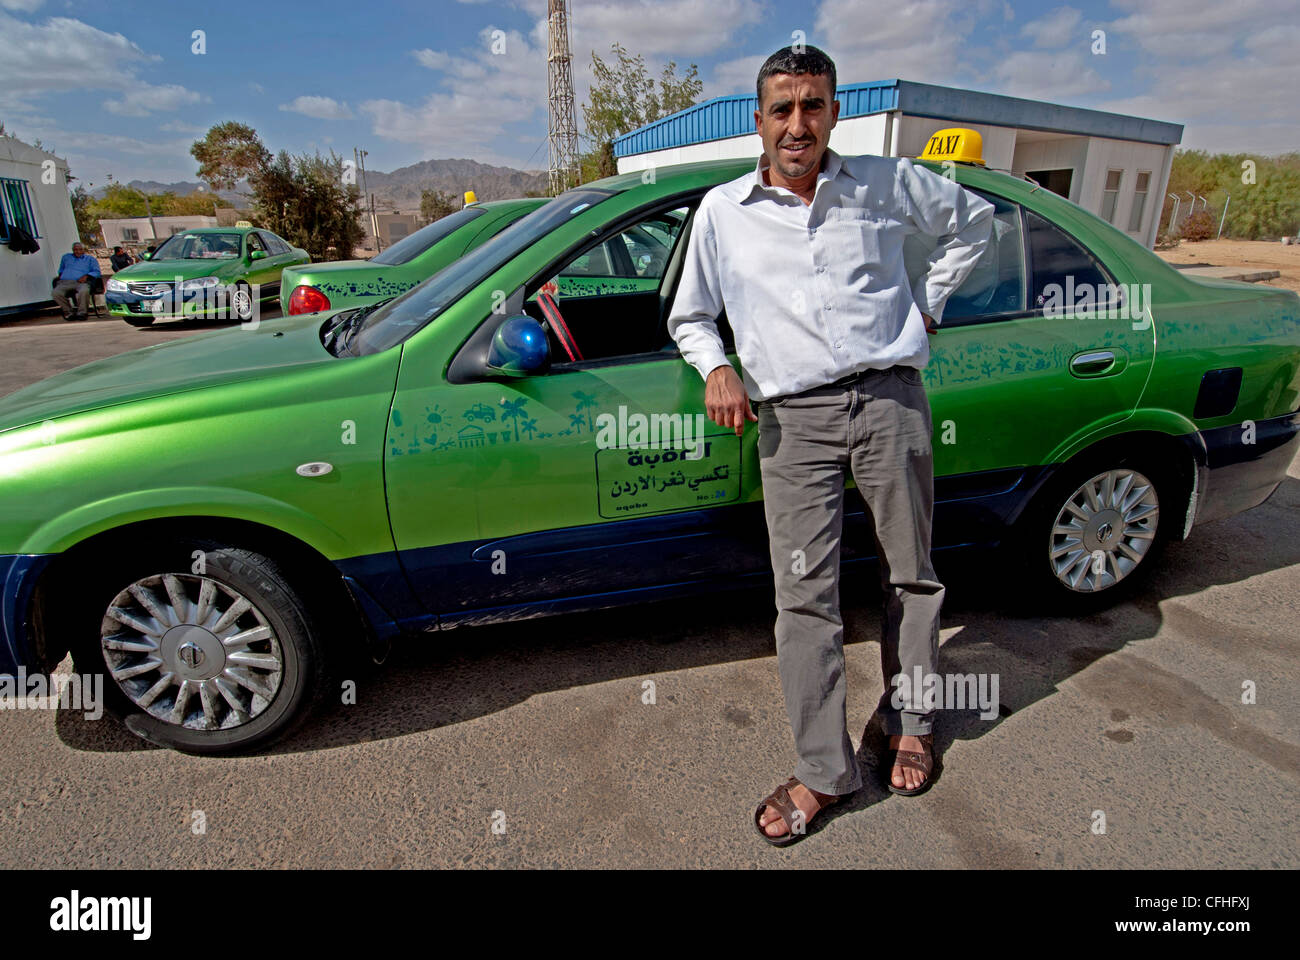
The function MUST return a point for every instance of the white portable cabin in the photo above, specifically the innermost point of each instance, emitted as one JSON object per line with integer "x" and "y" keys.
{"x": 34, "y": 196}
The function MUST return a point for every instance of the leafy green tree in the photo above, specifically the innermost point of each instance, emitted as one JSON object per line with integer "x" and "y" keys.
{"x": 436, "y": 204}
{"x": 305, "y": 200}
{"x": 623, "y": 97}
{"x": 230, "y": 152}
{"x": 87, "y": 222}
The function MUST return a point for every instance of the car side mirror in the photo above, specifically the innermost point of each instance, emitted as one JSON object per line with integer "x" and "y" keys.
{"x": 257, "y": 255}
{"x": 146, "y": 255}
{"x": 519, "y": 348}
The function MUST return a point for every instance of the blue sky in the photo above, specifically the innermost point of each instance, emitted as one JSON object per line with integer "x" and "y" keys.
{"x": 117, "y": 88}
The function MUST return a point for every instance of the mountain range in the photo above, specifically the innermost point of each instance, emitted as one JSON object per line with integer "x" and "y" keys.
{"x": 400, "y": 189}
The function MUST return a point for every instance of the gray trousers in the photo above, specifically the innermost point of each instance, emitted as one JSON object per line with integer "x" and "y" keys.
{"x": 64, "y": 289}
{"x": 878, "y": 427}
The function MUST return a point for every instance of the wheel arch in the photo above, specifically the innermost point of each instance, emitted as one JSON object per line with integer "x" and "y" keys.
{"x": 313, "y": 576}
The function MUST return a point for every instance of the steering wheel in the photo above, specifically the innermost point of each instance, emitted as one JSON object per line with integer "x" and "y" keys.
{"x": 551, "y": 311}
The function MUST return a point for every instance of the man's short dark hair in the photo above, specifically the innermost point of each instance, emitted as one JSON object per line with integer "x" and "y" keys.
{"x": 811, "y": 61}
{"x": 117, "y": 249}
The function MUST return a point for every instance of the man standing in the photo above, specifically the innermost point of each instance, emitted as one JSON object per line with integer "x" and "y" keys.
{"x": 75, "y": 270}
{"x": 806, "y": 256}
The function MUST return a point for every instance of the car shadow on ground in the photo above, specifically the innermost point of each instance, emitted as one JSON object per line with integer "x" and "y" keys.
{"x": 441, "y": 679}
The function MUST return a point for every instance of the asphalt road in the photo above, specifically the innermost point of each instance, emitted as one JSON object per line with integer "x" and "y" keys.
{"x": 540, "y": 730}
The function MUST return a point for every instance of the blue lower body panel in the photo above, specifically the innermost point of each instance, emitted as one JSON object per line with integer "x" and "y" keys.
{"x": 18, "y": 575}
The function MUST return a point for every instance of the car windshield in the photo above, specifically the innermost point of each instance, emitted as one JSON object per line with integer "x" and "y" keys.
{"x": 399, "y": 318}
{"x": 200, "y": 246}
{"x": 408, "y": 248}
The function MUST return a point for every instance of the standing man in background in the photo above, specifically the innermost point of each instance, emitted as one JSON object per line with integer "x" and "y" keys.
{"x": 806, "y": 256}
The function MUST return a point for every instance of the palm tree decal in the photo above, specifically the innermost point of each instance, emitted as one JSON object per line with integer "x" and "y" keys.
{"x": 513, "y": 410}
{"x": 528, "y": 426}
{"x": 577, "y": 421}
{"x": 585, "y": 402}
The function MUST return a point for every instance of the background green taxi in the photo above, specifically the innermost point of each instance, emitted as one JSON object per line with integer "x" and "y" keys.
{"x": 215, "y": 521}
{"x": 353, "y": 283}
{"x": 214, "y": 272}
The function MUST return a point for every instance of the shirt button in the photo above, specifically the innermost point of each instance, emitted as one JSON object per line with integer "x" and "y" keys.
{"x": 829, "y": 307}
{"x": 821, "y": 269}
{"x": 838, "y": 344}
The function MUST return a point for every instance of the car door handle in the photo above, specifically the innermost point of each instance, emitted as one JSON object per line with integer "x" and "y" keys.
{"x": 1094, "y": 363}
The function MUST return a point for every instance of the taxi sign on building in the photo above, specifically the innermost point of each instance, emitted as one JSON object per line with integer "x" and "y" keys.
{"x": 958, "y": 144}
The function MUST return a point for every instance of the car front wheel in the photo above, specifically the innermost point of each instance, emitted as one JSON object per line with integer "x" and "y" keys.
{"x": 206, "y": 647}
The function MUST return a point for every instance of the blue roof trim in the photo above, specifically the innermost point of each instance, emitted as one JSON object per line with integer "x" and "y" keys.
{"x": 733, "y": 116}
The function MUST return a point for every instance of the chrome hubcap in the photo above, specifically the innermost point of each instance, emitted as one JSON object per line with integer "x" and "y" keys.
{"x": 242, "y": 301}
{"x": 1104, "y": 530}
{"x": 191, "y": 651}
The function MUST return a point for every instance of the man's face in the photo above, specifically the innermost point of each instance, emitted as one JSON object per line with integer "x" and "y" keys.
{"x": 795, "y": 119}
{"x": 78, "y": 250}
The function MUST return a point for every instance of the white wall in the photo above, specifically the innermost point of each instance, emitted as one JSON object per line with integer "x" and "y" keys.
{"x": 1059, "y": 153}
{"x": 1128, "y": 157}
{"x": 25, "y": 278}
{"x": 112, "y": 229}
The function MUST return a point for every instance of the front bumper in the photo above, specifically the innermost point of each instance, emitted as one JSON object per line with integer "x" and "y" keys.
{"x": 1245, "y": 463}
{"x": 162, "y": 306}
{"x": 18, "y": 576}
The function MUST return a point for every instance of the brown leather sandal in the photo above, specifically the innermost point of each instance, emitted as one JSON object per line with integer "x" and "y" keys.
{"x": 781, "y": 801}
{"x": 923, "y": 762}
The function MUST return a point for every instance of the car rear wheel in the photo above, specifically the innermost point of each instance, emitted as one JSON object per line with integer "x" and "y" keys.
{"x": 1095, "y": 531}
{"x": 206, "y": 647}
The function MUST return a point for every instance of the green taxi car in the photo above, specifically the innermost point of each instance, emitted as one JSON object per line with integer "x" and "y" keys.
{"x": 213, "y": 272}
{"x": 215, "y": 521}
{"x": 352, "y": 283}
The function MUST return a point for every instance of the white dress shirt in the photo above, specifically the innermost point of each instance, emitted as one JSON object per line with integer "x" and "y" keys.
{"x": 815, "y": 292}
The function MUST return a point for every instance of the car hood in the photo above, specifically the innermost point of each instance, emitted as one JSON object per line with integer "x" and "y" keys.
{"x": 192, "y": 363}
{"x": 163, "y": 271}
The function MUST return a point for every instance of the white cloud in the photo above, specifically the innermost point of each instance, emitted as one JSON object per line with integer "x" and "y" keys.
{"x": 734, "y": 76}
{"x": 1049, "y": 75}
{"x": 1058, "y": 29}
{"x": 22, "y": 6}
{"x": 322, "y": 108}
{"x": 433, "y": 59}
{"x": 143, "y": 99}
{"x": 924, "y": 40}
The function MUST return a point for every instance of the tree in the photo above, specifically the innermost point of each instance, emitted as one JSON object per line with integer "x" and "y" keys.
{"x": 623, "y": 97}
{"x": 436, "y": 204}
{"x": 305, "y": 200}
{"x": 87, "y": 222}
{"x": 229, "y": 153}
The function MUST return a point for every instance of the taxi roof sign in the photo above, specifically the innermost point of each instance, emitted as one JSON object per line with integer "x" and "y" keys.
{"x": 470, "y": 197}
{"x": 243, "y": 223}
{"x": 958, "y": 144}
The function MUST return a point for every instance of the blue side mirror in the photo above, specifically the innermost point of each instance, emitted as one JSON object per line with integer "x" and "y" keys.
{"x": 519, "y": 348}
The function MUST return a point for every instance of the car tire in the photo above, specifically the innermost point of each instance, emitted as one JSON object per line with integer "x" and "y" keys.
{"x": 1094, "y": 532}
{"x": 241, "y": 302}
{"x": 172, "y": 604}
{"x": 138, "y": 321}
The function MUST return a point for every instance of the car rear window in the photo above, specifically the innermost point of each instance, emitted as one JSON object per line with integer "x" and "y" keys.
{"x": 408, "y": 248}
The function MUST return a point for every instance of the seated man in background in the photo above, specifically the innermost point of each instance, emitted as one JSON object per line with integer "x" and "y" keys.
{"x": 120, "y": 259}
{"x": 75, "y": 270}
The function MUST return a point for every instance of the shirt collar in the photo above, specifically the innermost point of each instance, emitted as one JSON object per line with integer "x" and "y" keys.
{"x": 832, "y": 166}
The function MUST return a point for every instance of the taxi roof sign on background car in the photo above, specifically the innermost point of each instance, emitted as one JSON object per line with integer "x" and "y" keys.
{"x": 470, "y": 197}
{"x": 243, "y": 223}
{"x": 958, "y": 144}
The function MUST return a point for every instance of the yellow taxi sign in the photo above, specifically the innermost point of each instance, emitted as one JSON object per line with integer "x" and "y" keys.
{"x": 470, "y": 197}
{"x": 243, "y": 223}
{"x": 958, "y": 144}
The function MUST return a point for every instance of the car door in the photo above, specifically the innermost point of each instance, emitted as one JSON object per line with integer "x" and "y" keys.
{"x": 544, "y": 480}
{"x": 1016, "y": 375}
{"x": 263, "y": 271}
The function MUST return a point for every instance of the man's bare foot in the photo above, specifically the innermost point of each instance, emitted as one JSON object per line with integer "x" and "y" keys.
{"x": 807, "y": 802}
{"x": 906, "y": 778}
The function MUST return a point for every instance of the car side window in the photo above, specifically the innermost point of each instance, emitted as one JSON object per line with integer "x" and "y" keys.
{"x": 1062, "y": 267}
{"x": 255, "y": 243}
{"x": 274, "y": 245}
{"x": 996, "y": 285}
{"x": 607, "y": 294}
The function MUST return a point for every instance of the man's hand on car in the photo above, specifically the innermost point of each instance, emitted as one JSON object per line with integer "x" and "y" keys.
{"x": 726, "y": 401}
{"x": 929, "y": 323}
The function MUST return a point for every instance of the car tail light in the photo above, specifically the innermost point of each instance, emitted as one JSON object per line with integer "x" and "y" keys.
{"x": 305, "y": 299}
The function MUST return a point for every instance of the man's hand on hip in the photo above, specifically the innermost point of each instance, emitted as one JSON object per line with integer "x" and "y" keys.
{"x": 929, "y": 323}
{"x": 726, "y": 401}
